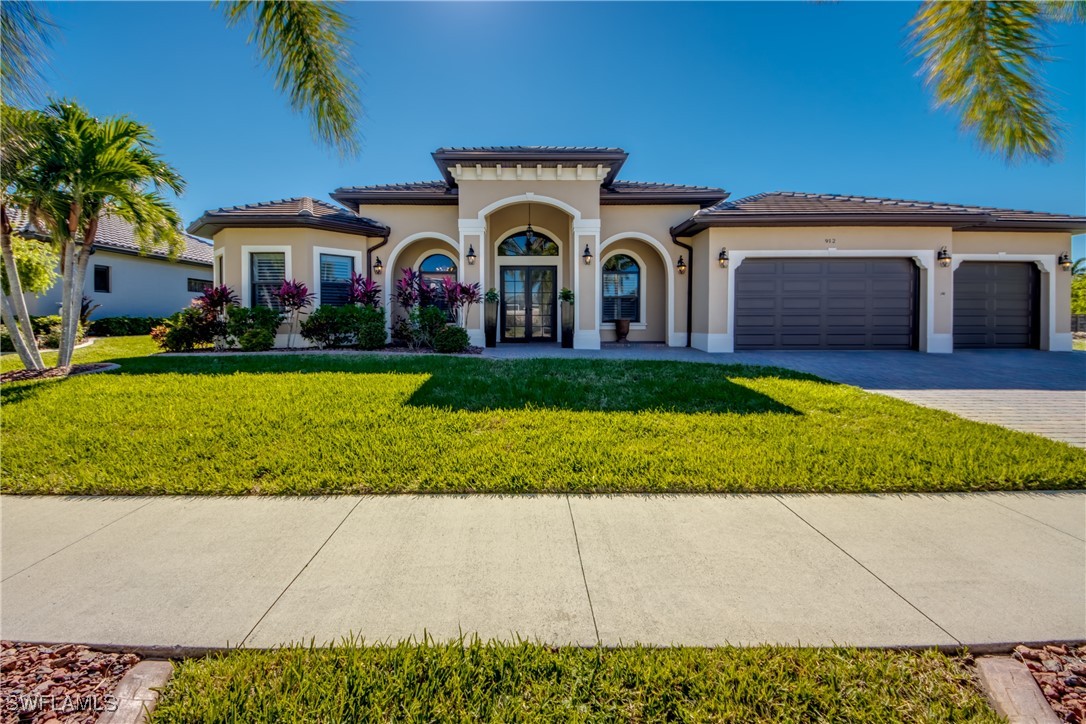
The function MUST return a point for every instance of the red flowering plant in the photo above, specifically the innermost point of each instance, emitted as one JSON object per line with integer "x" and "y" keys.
{"x": 459, "y": 298}
{"x": 293, "y": 296}
{"x": 363, "y": 291}
{"x": 214, "y": 301}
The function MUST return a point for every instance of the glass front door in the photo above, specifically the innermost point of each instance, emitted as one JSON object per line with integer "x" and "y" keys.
{"x": 529, "y": 303}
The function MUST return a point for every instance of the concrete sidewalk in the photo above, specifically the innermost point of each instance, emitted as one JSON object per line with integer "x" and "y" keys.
{"x": 876, "y": 570}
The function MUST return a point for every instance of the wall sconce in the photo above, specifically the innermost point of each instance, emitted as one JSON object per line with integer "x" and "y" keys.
{"x": 471, "y": 255}
{"x": 723, "y": 258}
{"x": 378, "y": 267}
{"x": 944, "y": 257}
{"x": 587, "y": 256}
{"x": 681, "y": 266}
{"x": 1065, "y": 261}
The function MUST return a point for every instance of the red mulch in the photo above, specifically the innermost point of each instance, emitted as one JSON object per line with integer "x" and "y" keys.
{"x": 1060, "y": 671}
{"x": 64, "y": 683}
{"x": 50, "y": 373}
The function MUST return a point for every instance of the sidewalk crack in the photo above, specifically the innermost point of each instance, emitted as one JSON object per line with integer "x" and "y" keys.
{"x": 81, "y": 538}
{"x": 1035, "y": 520}
{"x": 873, "y": 574}
{"x": 300, "y": 572}
{"x": 580, "y": 560}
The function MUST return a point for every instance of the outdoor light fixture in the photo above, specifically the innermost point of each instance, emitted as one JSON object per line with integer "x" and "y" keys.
{"x": 1065, "y": 261}
{"x": 681, "y": 266}
{"x": 471, "y": 255}
{"x": 723, "y": 258}
{"x": 944, "y": 257}
{"x": 587, "y": 256}
{"x": 378, "y": 267}
{"x": 529, "y": 233}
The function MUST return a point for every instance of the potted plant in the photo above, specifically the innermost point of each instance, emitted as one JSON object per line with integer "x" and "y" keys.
{"x": 491, "y": 299}
{"x": 566, "y": 298}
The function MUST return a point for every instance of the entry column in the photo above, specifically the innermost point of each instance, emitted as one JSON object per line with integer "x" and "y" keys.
{"x": 473, "y": 239}
{"x": 587, "y": 280}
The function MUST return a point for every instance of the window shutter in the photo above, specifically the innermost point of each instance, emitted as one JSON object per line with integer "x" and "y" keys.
{"x": 335, "y": 278}
{"x": 268, "y": 271}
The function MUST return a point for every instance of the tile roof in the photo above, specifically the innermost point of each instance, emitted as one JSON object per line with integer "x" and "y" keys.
{"x": 296, "y": 211}
{"x": 782, "y": 207}
{"x": 530, "y": 149}
{"x": 115, "y": 234}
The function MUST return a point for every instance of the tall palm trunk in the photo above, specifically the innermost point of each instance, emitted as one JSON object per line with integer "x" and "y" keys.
{"x": 67, "y": 267}
{"x": 25, "y": 332}
{"x": 72, "y": 305}
{"x": 16, "y": 334}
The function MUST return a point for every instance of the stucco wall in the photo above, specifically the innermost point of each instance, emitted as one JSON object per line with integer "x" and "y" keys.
{"x": 140, "y": 287}
{"x": 653, "y": 324}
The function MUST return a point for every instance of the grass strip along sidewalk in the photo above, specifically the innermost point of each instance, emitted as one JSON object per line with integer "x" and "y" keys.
{"x": 529, "y": 682}
{"x": 318, "y": 424}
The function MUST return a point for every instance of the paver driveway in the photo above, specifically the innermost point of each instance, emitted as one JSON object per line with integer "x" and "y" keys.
{"x": 1039, "y": 392}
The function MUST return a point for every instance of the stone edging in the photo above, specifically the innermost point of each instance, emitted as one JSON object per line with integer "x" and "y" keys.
{"x": 1013, "y": 691}
{"x": 137, "y": 692}
{"x": 108, "y": 367}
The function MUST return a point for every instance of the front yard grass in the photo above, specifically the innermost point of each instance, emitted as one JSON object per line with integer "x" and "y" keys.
{"x": 317, "y": 424}
{"x": 530, "y": 682}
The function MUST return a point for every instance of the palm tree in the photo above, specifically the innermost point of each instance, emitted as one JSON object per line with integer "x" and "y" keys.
{"x": 19, "y": 137}
{"x": 82, "y": 169}
{"x": 984, "y": 59}
{"x": 1079, "y": 267}
{"x": 305, "y": 44}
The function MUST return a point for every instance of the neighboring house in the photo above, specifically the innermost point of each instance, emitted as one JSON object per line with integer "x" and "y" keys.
{"x": 685, "y": 265}
{"x": 127, "y": 283}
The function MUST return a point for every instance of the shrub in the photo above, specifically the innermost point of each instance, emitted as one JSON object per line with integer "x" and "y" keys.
{"x": 189, "y": 329}
{"x": 47, "y": 331}
{"x": 240, "y": 320}
{"x": 420, "y": 327}
{"x": 330, "y": 326}
{"x": 451, "y": 339}
{"x": 257, "y": 339}
{"x": 371, "y": 328}
{"x": 124, "y": 326}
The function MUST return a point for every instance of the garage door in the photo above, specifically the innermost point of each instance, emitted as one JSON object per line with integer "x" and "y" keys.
{"x": 826, "y": 304}
{"x": 996, "y": 304}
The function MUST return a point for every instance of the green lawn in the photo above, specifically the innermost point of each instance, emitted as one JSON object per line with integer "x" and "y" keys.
{"x": 316, "y": 424}
{"x": 533, "y": 683}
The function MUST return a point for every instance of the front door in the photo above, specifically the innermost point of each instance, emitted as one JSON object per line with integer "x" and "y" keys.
{"x": 528, "y": 312}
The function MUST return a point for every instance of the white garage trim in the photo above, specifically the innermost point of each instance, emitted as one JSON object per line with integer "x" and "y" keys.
{"x": 925, "y": 259}
{"x": 1051, "y": 340}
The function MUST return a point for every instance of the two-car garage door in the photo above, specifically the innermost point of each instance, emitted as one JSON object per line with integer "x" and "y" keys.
{"x": 857, "y": 303}
{"x": 826, "y": 304}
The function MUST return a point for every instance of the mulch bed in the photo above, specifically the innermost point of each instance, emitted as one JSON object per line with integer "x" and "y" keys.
{"x": 1060, "y": 671}
{"x": 65, "y": 683}
{"x": 51, "y": 372}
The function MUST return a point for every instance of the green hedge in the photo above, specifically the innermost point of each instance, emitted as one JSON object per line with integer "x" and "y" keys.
{"x": 124, "y": 326}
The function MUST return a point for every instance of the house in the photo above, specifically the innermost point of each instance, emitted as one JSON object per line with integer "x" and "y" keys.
{"x": 685, "y": 265}
{"x": 126, "y": 282}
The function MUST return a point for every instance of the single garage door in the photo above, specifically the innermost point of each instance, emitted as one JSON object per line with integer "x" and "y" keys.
{"x": 826, "y": 304}
{"x": 996, "y": 304}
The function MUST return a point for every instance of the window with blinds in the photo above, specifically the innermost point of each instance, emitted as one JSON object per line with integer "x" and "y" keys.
{"x": 621, "y": 289}
{"x": 267, "y": 272}
{"x": 336, "y": 273}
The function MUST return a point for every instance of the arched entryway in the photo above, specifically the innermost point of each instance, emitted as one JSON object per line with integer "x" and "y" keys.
{"x": 635, "y": 285}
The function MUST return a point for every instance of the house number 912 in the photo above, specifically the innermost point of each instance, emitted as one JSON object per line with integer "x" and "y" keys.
{"x": 831, "y": 241}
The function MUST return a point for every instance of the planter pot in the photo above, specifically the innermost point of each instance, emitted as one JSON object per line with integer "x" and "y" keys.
{"x": 490, "y": 324}
{"x": 567, "y": 325}
{"x": 622, "y": 329}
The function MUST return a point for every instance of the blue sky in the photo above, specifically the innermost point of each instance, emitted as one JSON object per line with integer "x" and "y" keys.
{"x": 748, "y": 96}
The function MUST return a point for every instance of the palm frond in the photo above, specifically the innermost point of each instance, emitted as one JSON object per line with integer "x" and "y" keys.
{"x": 983, "y": 60}
{"x": 306, "y": 46}
{"x": 1065, "y": 11}
{"x": 26, "y": 31}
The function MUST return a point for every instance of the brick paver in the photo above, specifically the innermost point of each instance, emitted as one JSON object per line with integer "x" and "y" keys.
{"x": 1043, "y": 393}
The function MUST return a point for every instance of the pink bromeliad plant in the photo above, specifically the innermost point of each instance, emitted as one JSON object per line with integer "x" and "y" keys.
{"x": 294, "y": 296}
{"x": 460, "y": 297}
{"x": 217, "y": 299}
{"x": 364, "y": 291}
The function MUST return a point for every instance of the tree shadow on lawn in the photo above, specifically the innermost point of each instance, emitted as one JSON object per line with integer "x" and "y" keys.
{"x": 477, "y": 384}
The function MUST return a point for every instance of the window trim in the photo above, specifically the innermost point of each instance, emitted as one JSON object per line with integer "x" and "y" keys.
{"x": 247, "y": 264}
{"x": 335, "y": 251}
{"x": 218, "y": 271}
{"x": 109, "y": 279}
{"x": 641, "y": 301}
{"x": 455, "y": 274}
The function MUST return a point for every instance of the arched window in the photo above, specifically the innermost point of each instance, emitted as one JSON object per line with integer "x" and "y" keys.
{"x": 527, "y": 243}
{"x": 434, "y": 269}
{"x": 621, "y": 289}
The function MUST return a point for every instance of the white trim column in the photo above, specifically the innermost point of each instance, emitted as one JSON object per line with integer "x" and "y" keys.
{"x": 473, "y": 235}
{"x": 587, "y": 282}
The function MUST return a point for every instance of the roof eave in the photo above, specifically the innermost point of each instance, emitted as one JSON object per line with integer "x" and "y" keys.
{"x": 698, "y": 223}
{"x": 355, "y": 200}
{"x": 210, "y": 224}
{"x": 702, "y": 199}
{"x": 614, "y": 160}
